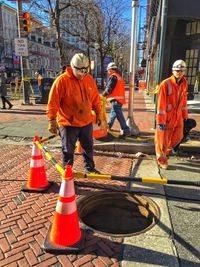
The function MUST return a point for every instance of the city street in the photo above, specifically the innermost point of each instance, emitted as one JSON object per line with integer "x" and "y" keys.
{"x": 132, "y": 68}
{"x": 26, "y": 216}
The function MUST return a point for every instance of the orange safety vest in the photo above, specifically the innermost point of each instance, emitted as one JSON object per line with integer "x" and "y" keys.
{"x": 119, "y": 91}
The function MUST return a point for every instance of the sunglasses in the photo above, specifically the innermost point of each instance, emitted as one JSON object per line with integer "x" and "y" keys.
{"x": 81, "y": 70}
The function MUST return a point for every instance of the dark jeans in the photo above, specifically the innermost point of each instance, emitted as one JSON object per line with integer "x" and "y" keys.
{"x": 116, "y": 112}
{"x": 69, "y": 136}
{"x": 4, "y": 101}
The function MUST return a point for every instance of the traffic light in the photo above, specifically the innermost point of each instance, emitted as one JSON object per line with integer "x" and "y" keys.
{"x": 26, "y": 22}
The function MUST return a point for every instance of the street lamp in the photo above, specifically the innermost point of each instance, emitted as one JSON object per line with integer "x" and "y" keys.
{"x": 130, "y": 122}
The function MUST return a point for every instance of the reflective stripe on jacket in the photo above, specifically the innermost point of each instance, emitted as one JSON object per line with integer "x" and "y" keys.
{"x": 71, "y": 101}
{"x": 119, "y": 91}
{"x": 172, "y": 101}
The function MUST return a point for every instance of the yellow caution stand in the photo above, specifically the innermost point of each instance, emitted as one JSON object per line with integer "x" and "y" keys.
{"x": 100, "y": 131}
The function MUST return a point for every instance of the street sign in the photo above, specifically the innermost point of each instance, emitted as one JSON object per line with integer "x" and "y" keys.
{"x": 21, "y": 47}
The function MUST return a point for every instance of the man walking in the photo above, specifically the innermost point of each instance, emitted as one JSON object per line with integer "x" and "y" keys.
{"x": 171, "y": 112}
{"x": 115, "y": 93}
{"x": 72, "y": 97}
{"x": 3, "y": 91}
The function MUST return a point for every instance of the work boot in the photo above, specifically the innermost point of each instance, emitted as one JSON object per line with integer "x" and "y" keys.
{"x": 163, "y": 165}
{"x": 121, "y": 136}
{"x": 92, "y": 170}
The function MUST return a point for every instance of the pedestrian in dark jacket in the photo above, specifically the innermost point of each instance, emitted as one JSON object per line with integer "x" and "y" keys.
{"x": 3, "y": 91}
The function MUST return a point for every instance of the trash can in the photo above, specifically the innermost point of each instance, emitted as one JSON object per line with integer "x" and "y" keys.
{"x": 46, "y": 84}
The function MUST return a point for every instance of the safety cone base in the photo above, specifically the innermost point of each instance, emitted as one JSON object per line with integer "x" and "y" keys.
{"x": 48, "y": 246}
{"x": 40, "y": 189}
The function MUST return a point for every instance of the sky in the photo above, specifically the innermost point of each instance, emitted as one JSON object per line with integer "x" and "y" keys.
{"x": 141, "y": 10}
{"x": 141, "y": 3}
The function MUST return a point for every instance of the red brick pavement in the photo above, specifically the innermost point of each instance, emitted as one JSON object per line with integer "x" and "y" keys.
{"x": 25, "y": 217}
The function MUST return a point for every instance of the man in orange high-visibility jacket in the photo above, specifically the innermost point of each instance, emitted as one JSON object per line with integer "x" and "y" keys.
{"x": 115, "y": 93}
{"x": 72, "y": 98}
{"x": 171, "y": 112}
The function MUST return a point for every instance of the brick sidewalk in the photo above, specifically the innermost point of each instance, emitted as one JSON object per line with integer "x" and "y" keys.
{"x": 26, "y": 217}
{"x": 143, "y": 115}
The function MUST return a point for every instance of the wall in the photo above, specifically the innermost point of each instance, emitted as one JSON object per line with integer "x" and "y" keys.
{"x": 184, "y": 8}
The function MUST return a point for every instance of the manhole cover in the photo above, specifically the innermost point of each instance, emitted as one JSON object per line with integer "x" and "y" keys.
{"x": 118, "y": 214}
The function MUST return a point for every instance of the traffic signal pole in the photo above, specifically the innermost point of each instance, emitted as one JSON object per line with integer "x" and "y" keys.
{"x": 23, "y": 61}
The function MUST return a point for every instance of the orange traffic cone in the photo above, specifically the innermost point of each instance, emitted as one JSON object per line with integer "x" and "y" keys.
{"x": 37, "y": 180}
{"x": 65, "y": 234}
{"x": 78, "y": 147}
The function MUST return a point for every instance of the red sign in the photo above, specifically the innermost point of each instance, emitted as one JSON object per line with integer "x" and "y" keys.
{"x": 16, "y": 59}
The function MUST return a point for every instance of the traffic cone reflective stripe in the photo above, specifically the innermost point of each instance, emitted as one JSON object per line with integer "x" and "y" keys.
{"x": 36, "y": 161}
{"x": 37, "y": 180}
{"x": 65, "y": 232}
{"x": 66, "y": 205}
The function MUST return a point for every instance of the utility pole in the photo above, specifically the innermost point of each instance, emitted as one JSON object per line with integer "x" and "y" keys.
{"x": 130, "y": 122}
{"x": 163, "y": 25}
{"x": 23, "y": 61}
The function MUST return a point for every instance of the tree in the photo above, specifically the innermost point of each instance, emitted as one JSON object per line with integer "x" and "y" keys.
{"x": 92, "y": 21}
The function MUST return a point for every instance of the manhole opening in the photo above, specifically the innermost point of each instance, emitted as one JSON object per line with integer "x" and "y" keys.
{"x": 118, "y": 214}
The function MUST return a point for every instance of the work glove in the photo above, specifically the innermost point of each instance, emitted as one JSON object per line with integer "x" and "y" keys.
{"x": 162, "y": 127}
{"x": 53, "y": 127}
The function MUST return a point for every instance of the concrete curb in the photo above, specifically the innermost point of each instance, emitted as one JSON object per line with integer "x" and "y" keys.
{"x": 144, "y": 147}
{"x": 126, "y": 147}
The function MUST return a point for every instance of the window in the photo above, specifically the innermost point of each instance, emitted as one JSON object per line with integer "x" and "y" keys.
{"x": 192, "y": 28}
{"x": 191, "y": 59}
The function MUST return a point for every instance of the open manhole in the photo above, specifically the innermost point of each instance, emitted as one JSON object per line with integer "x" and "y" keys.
{"x": 117, "y": 213}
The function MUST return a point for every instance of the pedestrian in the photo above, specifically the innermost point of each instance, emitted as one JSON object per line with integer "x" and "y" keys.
{"x": 3, "y": 91}
{"x": 39, "y": 80}
{"x": 115, "y": 93}
{"x": 171, "y": 112}
{"x": 72, "y": 98}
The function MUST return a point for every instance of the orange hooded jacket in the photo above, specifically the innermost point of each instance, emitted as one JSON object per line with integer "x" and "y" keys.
{"x": 71, "y": 100}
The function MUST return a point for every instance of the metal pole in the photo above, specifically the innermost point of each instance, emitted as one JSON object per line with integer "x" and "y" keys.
{"x": 163, "y": 25}
{"x": 23, "y": 61}
{"x": 130, "y": 122}
{"x": 19, "y": 12}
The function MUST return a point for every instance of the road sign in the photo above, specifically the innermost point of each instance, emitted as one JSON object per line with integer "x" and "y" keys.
{"x": 21, "y": 47}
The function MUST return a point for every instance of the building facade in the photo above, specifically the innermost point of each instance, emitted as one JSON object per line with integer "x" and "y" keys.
{"x": 180, "y": 40}
{"x": 8, "y": 31}
{"x": 41, "y": 46}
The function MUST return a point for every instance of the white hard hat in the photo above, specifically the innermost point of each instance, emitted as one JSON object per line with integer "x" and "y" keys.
{"x": 111, "y": 65}
{"x": 80, "y": 61}
{"x": 179, "y": 65}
